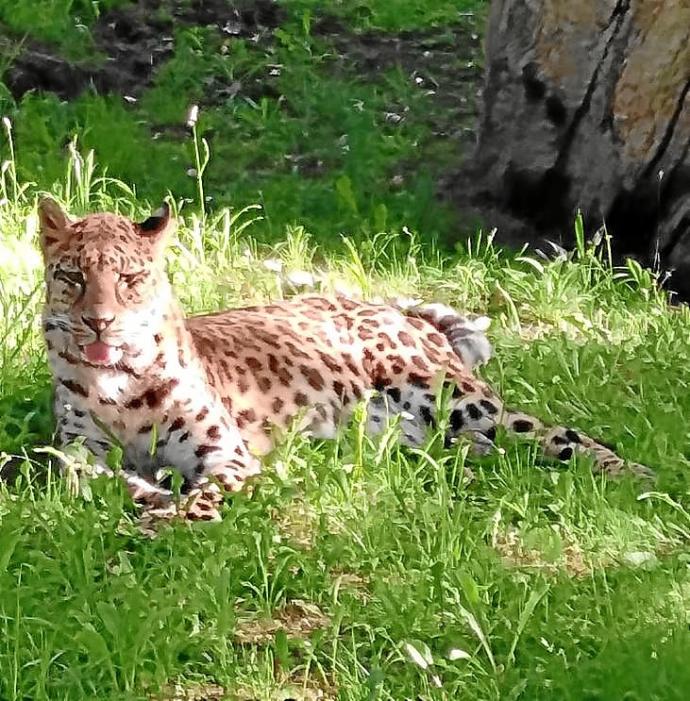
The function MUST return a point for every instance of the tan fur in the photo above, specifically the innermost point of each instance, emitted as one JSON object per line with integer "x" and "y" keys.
{"x": 209, "y": 393}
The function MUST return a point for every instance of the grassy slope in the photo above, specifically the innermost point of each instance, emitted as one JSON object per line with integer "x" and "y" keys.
{"x": 555, "y": 584}
{"x": 312, "y": 106}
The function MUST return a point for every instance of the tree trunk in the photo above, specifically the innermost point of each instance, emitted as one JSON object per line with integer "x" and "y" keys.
{"x": 587, "y": 106}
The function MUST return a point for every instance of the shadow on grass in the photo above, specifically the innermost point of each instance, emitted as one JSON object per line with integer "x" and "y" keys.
{"x": 649, "y": 665}
{"x": 26, "y": 422}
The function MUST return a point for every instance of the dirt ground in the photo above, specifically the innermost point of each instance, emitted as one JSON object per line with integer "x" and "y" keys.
{"x": 134, "y": 41}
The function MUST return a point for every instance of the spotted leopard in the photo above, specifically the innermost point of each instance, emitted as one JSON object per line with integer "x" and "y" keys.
{"x": 209, "y": 394}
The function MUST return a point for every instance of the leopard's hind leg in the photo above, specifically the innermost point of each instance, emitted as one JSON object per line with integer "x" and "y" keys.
{"x": 472, "y": 413}
{"x": 474, "y": 409}
{"x": 466, "y": 335}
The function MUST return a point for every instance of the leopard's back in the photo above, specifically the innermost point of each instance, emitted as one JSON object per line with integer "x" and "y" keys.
{"x": 314, "y": 357}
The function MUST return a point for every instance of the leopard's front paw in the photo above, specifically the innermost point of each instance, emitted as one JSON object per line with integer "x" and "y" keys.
{"x": 202, "y": 503}
{"x": 146, "y": 493}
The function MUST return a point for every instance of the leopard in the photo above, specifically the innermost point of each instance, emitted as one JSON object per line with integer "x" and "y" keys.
{"x": 208, "y": 396}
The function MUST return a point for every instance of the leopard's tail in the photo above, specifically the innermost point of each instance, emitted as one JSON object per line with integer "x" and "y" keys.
{"x": 562, "y": 443}
{"x": 466, "y": 335}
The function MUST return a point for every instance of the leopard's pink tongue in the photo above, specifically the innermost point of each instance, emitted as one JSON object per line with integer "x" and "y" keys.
{"x": 99, "y": 352}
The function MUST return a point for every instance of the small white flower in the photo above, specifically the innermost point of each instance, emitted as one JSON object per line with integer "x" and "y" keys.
{"x": 406, "y": 302}
{"x": 193, "y": 116}
{"x": 393, "y": 117}
{"x": 644, "y": 559}
{"x": 275, "y": 265}
{"x": 416, "y": 656}
{"x": 281, "y": 470}
{"x": 458, "y": 654}
{"x": 301, "y": 278}
{"x": 481, "y": 323}
{"x": 342, "y": 288}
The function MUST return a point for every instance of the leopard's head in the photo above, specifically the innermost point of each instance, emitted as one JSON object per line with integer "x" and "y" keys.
{"x": 106, "y": 285}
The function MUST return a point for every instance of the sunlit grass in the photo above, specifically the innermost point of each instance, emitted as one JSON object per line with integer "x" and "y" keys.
{"x": 409, "y": 580}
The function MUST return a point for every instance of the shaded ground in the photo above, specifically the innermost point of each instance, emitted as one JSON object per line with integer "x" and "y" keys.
{"x": 443, "y": 62}
{"x": 428, "y": 79}
{"x": 134, "y": 41}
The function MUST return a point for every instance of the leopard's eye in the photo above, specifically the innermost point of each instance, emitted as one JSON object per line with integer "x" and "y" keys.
{"x": 71, "y": 277}
{"x": 131, "y": 279}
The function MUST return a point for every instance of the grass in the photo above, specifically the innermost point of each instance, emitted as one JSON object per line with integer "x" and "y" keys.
{"x": 394, "y": 16}
{"x": 311, "y": 136}
{"x": 62, "y": 22}
{"x": 355, "y": 569}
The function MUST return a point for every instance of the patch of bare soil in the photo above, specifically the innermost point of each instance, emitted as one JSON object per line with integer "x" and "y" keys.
{"x": 191, "y": 692}
{"x": 134, "y": 40}
{"x": 516, "y": 554}
{"x": 297, "y": 619}
{"x": 299, "y": 525}
{"x": 292, "y": 686}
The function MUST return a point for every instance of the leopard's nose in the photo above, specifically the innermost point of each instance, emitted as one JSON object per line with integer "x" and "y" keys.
{"x": 98, "y": 324}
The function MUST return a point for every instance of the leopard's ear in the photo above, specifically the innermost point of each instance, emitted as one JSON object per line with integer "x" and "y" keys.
{"x": 158, "y": 226}
{"x": 54, "y": 224}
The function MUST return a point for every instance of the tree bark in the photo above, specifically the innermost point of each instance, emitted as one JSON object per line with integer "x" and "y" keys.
{"x": 587, "y": 106}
